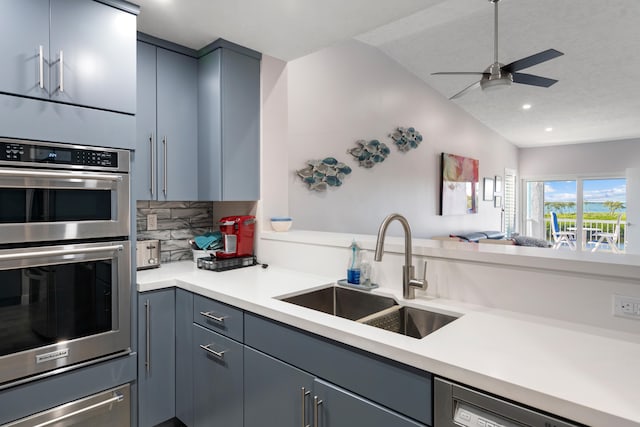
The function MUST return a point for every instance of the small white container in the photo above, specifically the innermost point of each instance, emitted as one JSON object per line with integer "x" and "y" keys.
{"x": 199, "y": 254}
{"x": 281, "y": 223}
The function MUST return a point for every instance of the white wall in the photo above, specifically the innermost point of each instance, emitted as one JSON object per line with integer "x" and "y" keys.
{"x": 352, "y": 91}
{"x": 580, "y": 159}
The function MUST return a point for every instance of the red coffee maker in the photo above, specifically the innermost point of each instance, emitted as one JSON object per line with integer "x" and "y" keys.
{"x": 237, "y": 235}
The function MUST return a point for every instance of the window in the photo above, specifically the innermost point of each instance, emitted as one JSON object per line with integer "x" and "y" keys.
{"x": 586, "y": 206}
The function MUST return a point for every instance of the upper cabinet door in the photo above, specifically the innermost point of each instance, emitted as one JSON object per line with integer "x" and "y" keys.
{"x": 145, "y": 184}
{"x": 177, "y": 122}
{"x": 240, "y": 92}
{"x": 92, "y": 55}
{"x": 24, "y": 47}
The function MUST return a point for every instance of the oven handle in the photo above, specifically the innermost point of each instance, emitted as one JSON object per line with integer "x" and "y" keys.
{"x": 117, "y": 397}
{"x": 38, "y": 254}
{"x": 59, "y": 175}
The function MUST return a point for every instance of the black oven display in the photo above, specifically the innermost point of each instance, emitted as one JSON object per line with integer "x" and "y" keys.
{"x": 48, "y": 304}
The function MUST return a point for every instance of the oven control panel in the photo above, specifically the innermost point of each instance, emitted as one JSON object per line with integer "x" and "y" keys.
{"x": 470, "y": 416}
{"x": 34, "y": 153}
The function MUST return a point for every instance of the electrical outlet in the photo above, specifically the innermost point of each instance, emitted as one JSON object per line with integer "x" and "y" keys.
{"x": 152, "y": 222}
{"x": 624, "y": 306}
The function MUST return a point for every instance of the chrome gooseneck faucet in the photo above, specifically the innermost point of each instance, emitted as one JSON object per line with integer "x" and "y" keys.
{"x": 409, "y": 282}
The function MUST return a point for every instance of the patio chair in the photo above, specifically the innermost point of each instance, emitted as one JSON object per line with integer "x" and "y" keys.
{"x": 561, "y": 237}
{"x": 610, "y": 238}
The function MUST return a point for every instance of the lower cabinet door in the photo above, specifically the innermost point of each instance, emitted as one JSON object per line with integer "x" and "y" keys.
{"x": 276, "y": 394}
{"x": 156, "y": 357}
{"x": 218, "y": 380}
{"x": 335, "y": 407}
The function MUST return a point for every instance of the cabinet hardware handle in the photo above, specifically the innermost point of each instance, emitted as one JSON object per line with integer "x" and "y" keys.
{"x": 316, "y": 416}
{"x": 117, "y": 397}
{"x": 164, "y": 184}
{"x": 153, "y": 165}
{"x": 208, "y": 349}
{"x": 61, "y": 71}
{"x": 304, "y": 394}
{"x": 147, "y": 356}
{"x": 210, "y": 315}
{"x": 59, "y": 252}
{"x": 41, "y": 67}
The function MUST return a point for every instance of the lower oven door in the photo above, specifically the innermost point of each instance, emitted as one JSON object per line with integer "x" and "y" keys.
{"x": 107, "y": 409}
{"x": 60, "y": 305}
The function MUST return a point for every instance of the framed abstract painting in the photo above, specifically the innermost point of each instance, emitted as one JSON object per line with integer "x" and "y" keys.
{"x": 459, "y": 185}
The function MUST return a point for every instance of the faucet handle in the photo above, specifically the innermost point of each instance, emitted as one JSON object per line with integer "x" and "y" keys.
{"x": 420, "y": 283}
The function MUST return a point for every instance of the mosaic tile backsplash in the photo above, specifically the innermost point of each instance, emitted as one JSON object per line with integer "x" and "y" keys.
{"x": 178, "y": 222}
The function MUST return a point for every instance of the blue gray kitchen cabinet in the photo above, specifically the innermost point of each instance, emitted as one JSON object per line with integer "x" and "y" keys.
{"x": 276, "y": 394}
{"x": 156, "y": 357}
{"x": 98, "y": 45}
{"x": 184, "y": 356}
{"x": 335, "y": 407}
{"x": 166, "y": 130}
{"x": 375, "y": 380}
{"x": 78, "y": 53}
{"x": 229, "y": 125}
{"x": 217, "y": 379}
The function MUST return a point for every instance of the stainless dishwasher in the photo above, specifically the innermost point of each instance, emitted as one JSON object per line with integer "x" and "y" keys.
{"x": 457, "y": 406}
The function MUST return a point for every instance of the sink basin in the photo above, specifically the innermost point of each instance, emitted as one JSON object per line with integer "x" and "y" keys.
{"x": 409, "y": 321}
{"x": 342, "y": 302}
{"x": 374, "y": 310}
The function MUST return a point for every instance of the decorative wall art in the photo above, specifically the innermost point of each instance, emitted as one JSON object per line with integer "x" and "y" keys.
{"x": 369, "y": 153}
{"x": 497, "y": 202}
{"x": 406, "y": 138}
{"x": 487, "y": 189}
{"x": 498, "y": 189}
{"x": 459, "y": 186}
{"x": 321, "y": 174}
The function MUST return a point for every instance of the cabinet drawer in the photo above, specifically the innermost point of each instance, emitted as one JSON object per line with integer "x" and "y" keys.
{"x": 399, "y": 387}
{"x": 218, "y": 317}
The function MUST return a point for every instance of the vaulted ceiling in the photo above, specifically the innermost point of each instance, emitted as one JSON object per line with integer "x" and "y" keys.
{"x": 597, "y": 97}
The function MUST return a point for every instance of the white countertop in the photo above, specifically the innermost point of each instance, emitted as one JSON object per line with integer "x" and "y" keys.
{"x": 582, "y": 373}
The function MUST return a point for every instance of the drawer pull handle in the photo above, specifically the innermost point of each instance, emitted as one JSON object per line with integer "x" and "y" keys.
{"x": 117, "y": 397}
{"x": 212, "y": 316}
{"x": 208, "y": 349}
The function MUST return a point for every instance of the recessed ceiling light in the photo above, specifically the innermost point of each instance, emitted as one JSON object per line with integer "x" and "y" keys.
{"x": 548, "y": 129}
{"x": 526, "y": 106}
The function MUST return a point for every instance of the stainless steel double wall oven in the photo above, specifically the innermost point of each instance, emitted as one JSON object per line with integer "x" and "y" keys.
{"x": 65, "y": 265}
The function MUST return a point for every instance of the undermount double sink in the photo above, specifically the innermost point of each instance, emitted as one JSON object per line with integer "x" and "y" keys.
{"x": 371, "y": 309}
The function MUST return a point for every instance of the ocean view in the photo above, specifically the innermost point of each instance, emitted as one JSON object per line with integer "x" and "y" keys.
{"x": 589, "y": 207}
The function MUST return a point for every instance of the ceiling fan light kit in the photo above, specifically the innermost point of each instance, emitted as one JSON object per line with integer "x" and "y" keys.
{"x": 498, "y": 75}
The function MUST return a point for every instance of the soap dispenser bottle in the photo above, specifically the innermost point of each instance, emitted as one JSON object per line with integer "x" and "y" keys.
{"x": 353, "y": 269}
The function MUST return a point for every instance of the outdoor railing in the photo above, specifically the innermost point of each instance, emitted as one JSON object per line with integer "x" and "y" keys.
{"x": 589, "y": 228}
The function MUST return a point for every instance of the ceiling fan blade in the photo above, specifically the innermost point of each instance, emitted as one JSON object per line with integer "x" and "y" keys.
{"x": 530, "y": 79}
{"x": 466, "y": 89}
{"x": 462, "y": 73}
{"x": 532, "y": 60}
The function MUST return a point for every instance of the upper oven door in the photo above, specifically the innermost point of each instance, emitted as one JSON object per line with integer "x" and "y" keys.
{"x": 38, "y": 205}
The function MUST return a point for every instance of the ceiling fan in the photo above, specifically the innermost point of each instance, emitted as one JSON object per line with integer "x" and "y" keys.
{"x": 500, "y": 75}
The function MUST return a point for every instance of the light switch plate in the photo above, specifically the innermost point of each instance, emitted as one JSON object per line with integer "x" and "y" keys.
{"x": 152, "y": 222}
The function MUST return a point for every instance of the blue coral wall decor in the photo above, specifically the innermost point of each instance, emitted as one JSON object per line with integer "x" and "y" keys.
{"x": 369, "y": 153}
{"x": 321, "y": 174}
{"x": 406, "y": 138}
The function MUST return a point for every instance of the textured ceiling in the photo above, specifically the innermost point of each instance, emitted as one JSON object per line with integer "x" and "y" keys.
{"x": 597, "y": 97}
